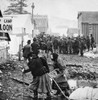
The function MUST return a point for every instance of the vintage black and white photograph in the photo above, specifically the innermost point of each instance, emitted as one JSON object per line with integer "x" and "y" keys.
{"x": 48, "y": 49}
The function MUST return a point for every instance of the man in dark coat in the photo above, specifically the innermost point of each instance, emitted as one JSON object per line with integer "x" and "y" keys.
{"x": 35, "y": 46}
{"x": 82, "y": 46}
{"x": 69, "y": 43}
{"x": 55, "y": 44}
{"x": 75, "y": 46}
{"x": 88, "y": 43}
{"x": 43, "y": 46}
{"x": 49, "y": 46}
{"x": 92, "y": 42}
{"x": 27, "y": 50}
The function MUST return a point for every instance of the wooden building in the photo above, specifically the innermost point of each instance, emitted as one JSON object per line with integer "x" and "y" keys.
{"x": 88, "y": 24}
{"x": 41, "y": 23}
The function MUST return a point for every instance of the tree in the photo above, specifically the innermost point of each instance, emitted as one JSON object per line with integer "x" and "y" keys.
{"x": 16, "y": 7}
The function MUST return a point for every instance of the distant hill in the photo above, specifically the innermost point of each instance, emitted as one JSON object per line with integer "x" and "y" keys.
{"x": 60, "y": 24}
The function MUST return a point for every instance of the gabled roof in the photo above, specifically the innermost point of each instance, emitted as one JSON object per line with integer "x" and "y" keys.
{"x": 41, "y": 22}
{"x": 72, "y": 30}
{"x": 88, "y": 16}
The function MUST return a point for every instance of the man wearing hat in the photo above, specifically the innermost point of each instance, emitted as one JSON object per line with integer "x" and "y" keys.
{"x": 27, "y": 50}
{"x": 35, "y": 46}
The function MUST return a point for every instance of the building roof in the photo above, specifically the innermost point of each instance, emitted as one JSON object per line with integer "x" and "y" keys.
{"x": 72, "y": 31}
{"x": 41, "y": 22}
{"x": 88, "y": 17}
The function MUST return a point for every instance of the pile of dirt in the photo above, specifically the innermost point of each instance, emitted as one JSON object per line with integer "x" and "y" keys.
{"x": 11, "y": 81}
{"x": 13, "y": 84}
{"x": 85, "y": 72}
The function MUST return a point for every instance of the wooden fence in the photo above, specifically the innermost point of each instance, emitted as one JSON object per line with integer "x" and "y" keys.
{"x": 3, "y": 54}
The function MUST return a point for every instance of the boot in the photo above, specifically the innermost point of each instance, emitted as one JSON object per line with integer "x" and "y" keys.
{"x": 35, "y": 98}
{"x": 48, "y": 98}
{"x": 35, "y": 95}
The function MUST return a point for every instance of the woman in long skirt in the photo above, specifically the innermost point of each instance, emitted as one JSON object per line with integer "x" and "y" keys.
{"x": 41, "y": 84}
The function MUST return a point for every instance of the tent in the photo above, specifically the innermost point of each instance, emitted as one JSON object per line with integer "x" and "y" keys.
{"x": 22, "y": 31}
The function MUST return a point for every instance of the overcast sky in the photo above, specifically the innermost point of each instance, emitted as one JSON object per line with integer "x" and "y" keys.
{"x": 64, "y": 8}
{"x": 60, "y": 8}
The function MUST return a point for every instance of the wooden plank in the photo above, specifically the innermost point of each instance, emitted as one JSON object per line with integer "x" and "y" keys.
{"x": 19, "y": 81}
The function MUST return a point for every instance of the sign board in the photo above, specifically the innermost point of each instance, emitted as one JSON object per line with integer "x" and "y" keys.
{"x": 5, "y": 24}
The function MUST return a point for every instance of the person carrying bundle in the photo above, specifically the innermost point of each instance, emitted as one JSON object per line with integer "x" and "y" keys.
{"x": 60, "y": 79}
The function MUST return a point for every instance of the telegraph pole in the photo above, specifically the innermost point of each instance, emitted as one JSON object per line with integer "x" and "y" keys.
{"x": 32, "y": 19}
{"x": 33, "y": 12}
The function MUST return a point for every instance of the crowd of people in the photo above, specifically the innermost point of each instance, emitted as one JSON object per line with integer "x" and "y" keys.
{"x": 39, "y": 68}
{"x": 66, "y": 45}
{"x": 38, "y": 65}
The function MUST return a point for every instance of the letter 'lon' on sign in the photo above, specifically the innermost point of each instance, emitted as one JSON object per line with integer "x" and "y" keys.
{"x": 5, "y": 25}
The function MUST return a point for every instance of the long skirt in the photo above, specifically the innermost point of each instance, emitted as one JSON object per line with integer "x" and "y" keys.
{"x": 42, "y": 84}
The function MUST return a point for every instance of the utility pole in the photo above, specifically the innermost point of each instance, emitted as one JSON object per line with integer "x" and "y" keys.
{"x": 32, "y": 19}
{"x": 33, "y": 12}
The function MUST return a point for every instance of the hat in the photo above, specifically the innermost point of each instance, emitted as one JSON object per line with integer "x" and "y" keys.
{"x": 34, "y": 39}
{"x": 54, "y": 57}
{"x": 29, "y": 41}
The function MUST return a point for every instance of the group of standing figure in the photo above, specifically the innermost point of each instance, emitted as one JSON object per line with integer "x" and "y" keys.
{"x": 66, "y": 45}
{"x": 39, "y": 68}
